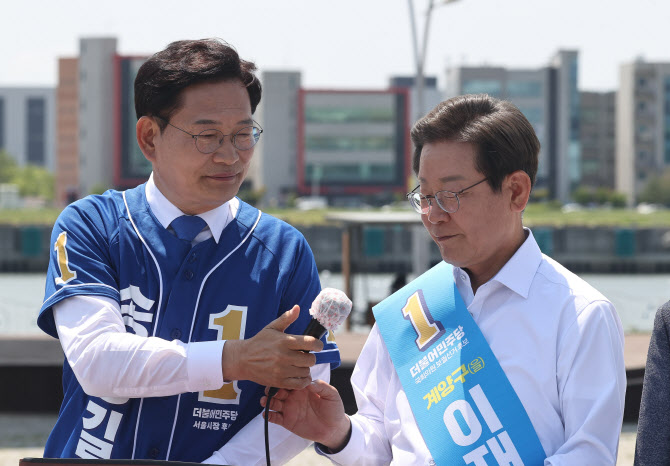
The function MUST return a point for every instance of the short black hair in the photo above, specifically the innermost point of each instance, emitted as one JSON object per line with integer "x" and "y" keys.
{"x": 504, "y": 139}
{"x": 162, "y": 78}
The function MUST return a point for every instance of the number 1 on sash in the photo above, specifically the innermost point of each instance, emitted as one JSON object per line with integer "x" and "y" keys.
{"x": 427, "y": 328}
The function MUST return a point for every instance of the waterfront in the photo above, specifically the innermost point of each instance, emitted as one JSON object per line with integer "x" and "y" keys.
{"x": 636, "y": 297}
{"x": 22, "y": 435}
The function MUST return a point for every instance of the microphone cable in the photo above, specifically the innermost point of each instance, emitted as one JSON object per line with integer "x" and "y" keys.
{"x": 271, "y": 393}
{"x": 330, "y": 308}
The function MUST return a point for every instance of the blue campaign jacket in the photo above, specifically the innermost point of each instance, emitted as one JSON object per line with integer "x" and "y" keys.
{"x": 113, "y": 246}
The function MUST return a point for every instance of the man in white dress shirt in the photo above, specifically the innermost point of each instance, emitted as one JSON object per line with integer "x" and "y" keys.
{"x": 176, "y": 302}
{"x": 558, "y": 340}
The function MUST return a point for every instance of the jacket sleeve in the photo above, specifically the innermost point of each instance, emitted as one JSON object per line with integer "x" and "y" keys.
{"x": 653, "y": 429}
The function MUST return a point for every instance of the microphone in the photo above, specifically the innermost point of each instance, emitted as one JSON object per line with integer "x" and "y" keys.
{"x": 330, "y": 308}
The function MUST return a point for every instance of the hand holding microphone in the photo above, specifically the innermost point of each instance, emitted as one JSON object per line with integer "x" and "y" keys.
{"x": 313, "y": 403}
{"x": 329, "y": 310}
{"x": 273, "y": 358}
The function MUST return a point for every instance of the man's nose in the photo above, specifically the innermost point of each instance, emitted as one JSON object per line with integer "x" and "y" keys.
{"x": 436, "y": 214}
{"x": 227, "y": 152}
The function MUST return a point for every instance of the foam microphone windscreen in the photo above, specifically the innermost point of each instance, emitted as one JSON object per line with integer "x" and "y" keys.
{"x": 330, "y": 308}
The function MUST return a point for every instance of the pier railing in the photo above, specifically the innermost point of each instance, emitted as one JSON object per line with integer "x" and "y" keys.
{"x": 387, "y": 248}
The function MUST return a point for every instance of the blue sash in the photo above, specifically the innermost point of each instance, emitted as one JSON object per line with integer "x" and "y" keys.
{"x": 466, "y": 409}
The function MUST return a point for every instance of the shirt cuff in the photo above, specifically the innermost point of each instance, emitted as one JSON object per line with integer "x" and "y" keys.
{"x": 330, "y": 451}
{"x": 350, "y": 453}
{"x": 203, "y": 365}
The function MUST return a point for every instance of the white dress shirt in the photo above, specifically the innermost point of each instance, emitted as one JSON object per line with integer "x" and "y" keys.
{"x": 560, "y": 343}
{"x": 109, "y": 362}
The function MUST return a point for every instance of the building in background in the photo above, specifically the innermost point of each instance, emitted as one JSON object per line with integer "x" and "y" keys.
{"x": 642, "y": 125}
{"x": 349, "y": 146}
{"x": 549, "y": 98}
{"x": 67, "y": 132}
{"x": 596, "y": 129}
{"x": 28, "y": 125}
{"x": 130, "y": 166}
{"x": 565, "y": 155}
{"x": 530, "y": 90}
{"x": 97, "y": 149}
{"x": 353, "y": 146}
{"x": 431, "y": 94}
{"x": 96, "y": 114}
{"x": 273, "y": 166}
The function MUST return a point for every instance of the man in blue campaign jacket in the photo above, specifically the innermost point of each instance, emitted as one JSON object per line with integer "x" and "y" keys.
{"x": 175, "y": 301}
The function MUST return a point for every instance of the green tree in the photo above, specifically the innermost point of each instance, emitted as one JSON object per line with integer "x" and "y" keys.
{"x": 583, "y": 195}
{"x": 99, "y": 188}
{"x": 539, "y": 195}
{"x": 657, "y": 190}
{"x": 34, "y": 181}
{"x": 31, "y": 180}
{"x": 7, "y": 167}
{"x": 252, "y": 196}
{"x": 602, "y": 195}
{"x": 618, "y": 200}
{"x": 587, "y": 195}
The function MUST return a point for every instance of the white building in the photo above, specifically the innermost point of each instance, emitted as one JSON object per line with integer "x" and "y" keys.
{"x": 28, "y": 125}
{"x": 642, "y": 125}
{"x": 549, "y": 98}
{"x": 96, "y": 113}
{"x": 273, "y": 167}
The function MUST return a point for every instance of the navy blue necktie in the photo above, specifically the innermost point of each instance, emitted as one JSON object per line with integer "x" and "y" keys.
{"x": 187, "y": 227}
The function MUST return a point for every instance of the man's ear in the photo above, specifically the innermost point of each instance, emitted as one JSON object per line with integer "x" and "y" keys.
{"x": 518, "y": 184}
{"x": 147, "y": 131}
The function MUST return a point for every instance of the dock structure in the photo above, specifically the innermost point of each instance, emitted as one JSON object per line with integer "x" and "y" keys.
{"x": 396, "y": 242}
{"x": 353, "y": 225}
{"x": 34, "y": 365}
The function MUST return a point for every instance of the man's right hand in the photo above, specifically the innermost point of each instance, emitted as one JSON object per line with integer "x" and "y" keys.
{"x": 272, "y": 357}
{"x": 314, "y": 413}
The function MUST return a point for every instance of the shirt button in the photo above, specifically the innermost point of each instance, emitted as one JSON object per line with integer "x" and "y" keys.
{"x": 154, "y": 452}
{"x": 175, "y": 334}
{"x": 188, "y": 274}
{"x": 193, "y": 258}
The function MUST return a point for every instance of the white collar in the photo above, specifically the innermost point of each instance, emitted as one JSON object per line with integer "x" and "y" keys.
{"x": 165, "y": 211}
{"x": 518, "y": 272}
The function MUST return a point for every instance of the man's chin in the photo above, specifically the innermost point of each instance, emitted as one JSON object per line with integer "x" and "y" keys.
{"x": 453, "y": 259}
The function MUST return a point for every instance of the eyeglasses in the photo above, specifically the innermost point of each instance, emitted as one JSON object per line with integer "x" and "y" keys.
{"x": 447, "y": 200}
{"x": 209, "y": 140}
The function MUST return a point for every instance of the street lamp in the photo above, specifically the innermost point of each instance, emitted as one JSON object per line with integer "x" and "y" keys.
{"x": 420, "y": 58}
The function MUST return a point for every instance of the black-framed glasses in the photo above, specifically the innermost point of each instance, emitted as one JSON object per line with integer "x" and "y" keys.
{"x": 447, "y": 200}
{"x": 209, "y": 140}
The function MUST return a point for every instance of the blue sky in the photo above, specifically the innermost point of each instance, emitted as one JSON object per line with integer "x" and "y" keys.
{"x": 345, "y": 43}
